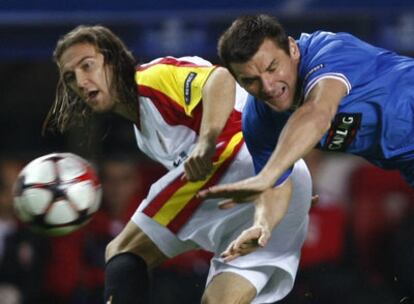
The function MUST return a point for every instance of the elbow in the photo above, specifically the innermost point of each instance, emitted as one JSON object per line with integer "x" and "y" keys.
{"x": 223, "y": 72}
{"x": 224, "y": 77}
{"x": 220, "y": 80}
{"x": 323, "y": 124}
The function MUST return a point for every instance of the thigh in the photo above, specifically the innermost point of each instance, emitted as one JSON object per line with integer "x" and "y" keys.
{"x": 229, "y": 288}
{"x": 133, "y": 239}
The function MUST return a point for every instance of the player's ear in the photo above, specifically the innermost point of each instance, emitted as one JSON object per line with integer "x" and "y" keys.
{"x": 293, "y": 48}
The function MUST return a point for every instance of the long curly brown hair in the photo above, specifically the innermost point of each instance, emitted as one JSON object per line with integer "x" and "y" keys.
{"x": 68, "y": 108}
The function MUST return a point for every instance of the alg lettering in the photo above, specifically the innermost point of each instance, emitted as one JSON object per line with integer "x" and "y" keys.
{"x": 342, "y": 132}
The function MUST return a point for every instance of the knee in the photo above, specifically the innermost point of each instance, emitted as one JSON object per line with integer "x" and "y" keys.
{"x": 119, "y": 245}
{"x": 134, "y": 240}
{"x": 127, "y": 241}
{"x": 229, "y": 288}
{"x": 111, "y": 250}
{"x": 210, "y": 298}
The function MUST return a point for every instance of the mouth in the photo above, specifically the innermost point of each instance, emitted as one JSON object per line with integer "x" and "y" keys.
{"x": 281, "y": 93}
{"x": 91, "y": 96}
{"x": 280, "y": 96}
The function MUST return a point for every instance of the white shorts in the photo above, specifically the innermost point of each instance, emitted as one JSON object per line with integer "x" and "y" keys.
{"x": 271, "y": 269}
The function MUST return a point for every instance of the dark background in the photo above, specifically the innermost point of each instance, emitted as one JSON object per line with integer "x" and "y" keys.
{"x": 30, "y": 29}
{"x": 359, "y": 248}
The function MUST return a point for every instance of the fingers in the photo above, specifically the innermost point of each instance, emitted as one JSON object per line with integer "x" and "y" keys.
{"x": 234, "y": 191}
{"x": 232, "y": 253}
{"x": 314, "y": 200}
{"x": 229, "y": 254}
{"x": 227, "y": 257}
{"x": 264, "y": 238}
{"x": 196, "y": 169}
{"x": 248, "y": 241}
{"x": 239, "y": 191}
{"x": 227, "y": 204}
{"x": 215, "y": 192}
{"x": 247, "y": 238}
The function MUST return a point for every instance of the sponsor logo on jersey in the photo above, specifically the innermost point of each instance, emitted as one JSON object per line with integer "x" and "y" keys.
{"x": 342, "y": 132}
{"x": 187, "y": 87}
{"x": 181, "y": 157}
{"x": 313, "y": 70}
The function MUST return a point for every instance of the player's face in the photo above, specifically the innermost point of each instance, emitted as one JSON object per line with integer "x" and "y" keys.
{"x": 271, "y": 74}
{"x": 83, "y": 69}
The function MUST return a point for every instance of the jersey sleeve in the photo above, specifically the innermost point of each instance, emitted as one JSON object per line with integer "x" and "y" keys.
{"x": 334, "y": 55}
{"x": 177, "y": 82}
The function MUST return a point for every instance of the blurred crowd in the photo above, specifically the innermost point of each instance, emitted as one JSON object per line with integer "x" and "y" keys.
{"x": 359, "y": 249}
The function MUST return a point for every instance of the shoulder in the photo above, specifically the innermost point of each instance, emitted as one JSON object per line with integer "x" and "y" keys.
{"x": 169, "y": 61}
{"x": 322, "y": 38}
{"x": 333, "y": 55}
{"x": 327, "y": 45}
{"x": 171, "y": 67}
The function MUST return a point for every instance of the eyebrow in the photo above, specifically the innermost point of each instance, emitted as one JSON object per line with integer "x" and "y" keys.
{"x": 251, "y": 78}
{"x": 64, "y": 71}
{"x": 272, "y": 63}
{"x": 247, "y": 78}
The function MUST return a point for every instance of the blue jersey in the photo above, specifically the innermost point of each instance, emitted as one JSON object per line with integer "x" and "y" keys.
{"x": 374, "y": 120}
{"x": 261, "y": 128}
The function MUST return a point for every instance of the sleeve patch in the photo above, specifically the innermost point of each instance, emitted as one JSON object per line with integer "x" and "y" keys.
{"x": 187, "y": 87}
{"x": 182, "y": 84}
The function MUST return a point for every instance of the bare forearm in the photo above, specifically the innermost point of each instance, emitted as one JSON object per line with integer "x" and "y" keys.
{"x": 272, "y": 205}
{"x": 305, "y": 127}
{"x": 302, "y": 132}
{"x": 218, "y": 102}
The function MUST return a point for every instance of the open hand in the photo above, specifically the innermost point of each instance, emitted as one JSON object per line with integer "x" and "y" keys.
{"x": 248, "y": 241}
{"x": 238, "y": 192}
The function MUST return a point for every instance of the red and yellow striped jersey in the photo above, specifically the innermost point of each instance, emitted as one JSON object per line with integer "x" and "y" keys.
{"x": 170, "y": 107}
{"x": 170, "y": 111}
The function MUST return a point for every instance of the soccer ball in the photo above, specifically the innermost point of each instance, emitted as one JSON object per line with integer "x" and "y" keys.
{"x": 57, "y": 193}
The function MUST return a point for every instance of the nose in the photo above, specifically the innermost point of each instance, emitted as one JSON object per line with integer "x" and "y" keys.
{"x": 81, "y": 79}
{"x": 267, "y": 85}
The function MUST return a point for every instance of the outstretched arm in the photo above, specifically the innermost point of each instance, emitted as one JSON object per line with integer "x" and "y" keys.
{"x": 218, "y": 102}
{"x": 271, "y": 206}
{"x": 305, "y": 128}
{"x": 301, "y": 133}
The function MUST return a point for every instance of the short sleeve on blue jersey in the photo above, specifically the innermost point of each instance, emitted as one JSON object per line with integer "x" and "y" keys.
{"x": 335, "y": 55}
{"x": 380, "y": 91}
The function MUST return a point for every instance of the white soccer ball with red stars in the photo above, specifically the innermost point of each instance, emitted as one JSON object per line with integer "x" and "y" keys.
{"x": 57, "y": 193}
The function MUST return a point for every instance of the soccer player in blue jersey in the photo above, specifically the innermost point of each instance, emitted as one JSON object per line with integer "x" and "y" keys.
{"x": 326, "y": 90}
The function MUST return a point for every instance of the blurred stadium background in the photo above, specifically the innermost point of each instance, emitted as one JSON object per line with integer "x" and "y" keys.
{"x": 359, "y": 248}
